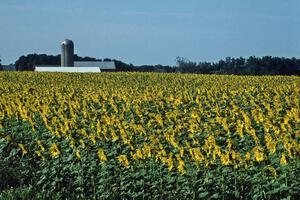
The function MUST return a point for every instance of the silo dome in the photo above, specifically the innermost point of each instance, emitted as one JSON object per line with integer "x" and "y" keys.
{"x": 67, "y": 53}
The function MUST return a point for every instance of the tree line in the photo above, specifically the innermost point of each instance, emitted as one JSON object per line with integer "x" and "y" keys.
{"x": 266, "y": 65}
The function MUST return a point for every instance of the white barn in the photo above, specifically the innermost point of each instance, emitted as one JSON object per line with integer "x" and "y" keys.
{"x": 66, "y": 69}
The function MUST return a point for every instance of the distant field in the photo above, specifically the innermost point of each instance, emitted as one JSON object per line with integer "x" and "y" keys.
{"x": 149, "y": 135}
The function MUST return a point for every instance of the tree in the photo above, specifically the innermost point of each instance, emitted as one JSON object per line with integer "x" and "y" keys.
{"x": 185, "y": 65}
{"x": 121, "y": 66}
{"x": 28, "y": 62}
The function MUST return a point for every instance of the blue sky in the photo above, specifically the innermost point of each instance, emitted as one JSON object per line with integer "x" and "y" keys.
{"x": 151, "y": 31}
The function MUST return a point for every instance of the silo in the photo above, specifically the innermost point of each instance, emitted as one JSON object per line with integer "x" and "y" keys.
{"x": 67, "y": 53}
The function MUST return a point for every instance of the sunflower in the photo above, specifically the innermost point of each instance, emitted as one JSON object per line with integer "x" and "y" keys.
{"x": 123, "y": 160}
{"x": 102, "y": 155}
{"x": 283, "y": 160}
{"x": 24, "y": 151}
{"x": 54, "y": 150}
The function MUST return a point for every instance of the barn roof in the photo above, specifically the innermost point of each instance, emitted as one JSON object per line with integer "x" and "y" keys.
{"x": 102, "y": 64}
{"x": 66, "y": 69}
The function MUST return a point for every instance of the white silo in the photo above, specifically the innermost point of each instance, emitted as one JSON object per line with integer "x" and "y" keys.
{"x": 67, "y": 53}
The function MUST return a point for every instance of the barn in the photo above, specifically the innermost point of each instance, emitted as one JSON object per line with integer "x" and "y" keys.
{"x": 105, "y": 66}
{"x": 66, "y": 69}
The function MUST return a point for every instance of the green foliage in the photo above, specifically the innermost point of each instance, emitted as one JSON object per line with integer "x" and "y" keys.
{"x": 20, "y": 193}
{"x": 27, "y": 175}
{"x": 67, "y": 177}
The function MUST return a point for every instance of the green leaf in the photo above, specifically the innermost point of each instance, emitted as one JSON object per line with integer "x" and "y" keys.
{"x": 215, "y": 196}
{"x": 203, "y": 194}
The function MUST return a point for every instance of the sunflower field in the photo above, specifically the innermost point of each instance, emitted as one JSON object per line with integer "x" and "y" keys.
{"x": 149, "y": 136}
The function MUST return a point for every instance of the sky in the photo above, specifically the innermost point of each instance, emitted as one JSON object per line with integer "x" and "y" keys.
{"x": 151, "y": 31}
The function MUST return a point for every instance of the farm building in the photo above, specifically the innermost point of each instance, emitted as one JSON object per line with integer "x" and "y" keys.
{"x": 69, "y": 65}
{"x": 103, "y": 65}
{"x": 66, "y": 69}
